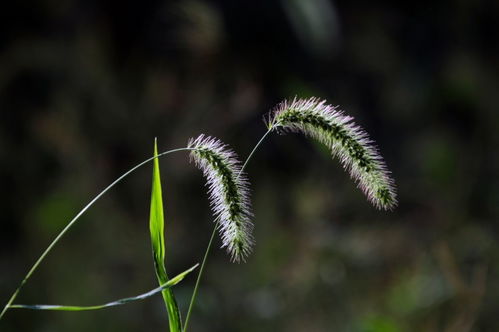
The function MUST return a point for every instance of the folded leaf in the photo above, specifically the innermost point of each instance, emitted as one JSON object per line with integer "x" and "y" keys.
{"x": 156, "y": 227}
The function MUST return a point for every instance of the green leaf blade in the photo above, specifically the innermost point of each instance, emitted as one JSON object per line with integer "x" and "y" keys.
{"x": 166, "y": 286}
{"x": 156, "y": 227}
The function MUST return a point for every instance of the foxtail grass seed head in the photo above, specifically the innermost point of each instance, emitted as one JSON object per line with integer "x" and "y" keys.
{"x": 228, "y": 191}
{"x": 347, "y": 141}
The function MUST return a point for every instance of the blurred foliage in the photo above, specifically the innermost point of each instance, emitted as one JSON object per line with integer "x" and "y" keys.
{"x": 85, "y": 86}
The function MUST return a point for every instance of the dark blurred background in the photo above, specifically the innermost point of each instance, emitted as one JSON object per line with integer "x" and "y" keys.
{"x": 85, "y": 86}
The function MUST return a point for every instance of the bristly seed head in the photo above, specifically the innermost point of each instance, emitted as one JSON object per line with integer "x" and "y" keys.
{"x": 228, "y": 191}
{"x": 314, "y": 118}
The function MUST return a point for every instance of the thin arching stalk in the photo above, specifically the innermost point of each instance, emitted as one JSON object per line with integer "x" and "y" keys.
{"x": 73, "y": 221}
{"x": 208, "y": 247}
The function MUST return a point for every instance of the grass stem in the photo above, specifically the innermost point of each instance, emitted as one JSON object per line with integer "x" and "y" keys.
{"x": 72, "y": 222}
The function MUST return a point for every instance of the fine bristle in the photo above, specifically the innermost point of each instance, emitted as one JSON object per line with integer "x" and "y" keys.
{"x": 347, "y": 141}
{"x": 228, "y": 192}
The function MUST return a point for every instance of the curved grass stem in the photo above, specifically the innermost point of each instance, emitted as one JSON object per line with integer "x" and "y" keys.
{"x": 208, "y": 247}
{"x": 73, "y": 221}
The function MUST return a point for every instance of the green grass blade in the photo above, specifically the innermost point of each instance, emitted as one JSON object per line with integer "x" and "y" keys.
{"x": 172, "y": 282}
{"x": 156, "y": 227}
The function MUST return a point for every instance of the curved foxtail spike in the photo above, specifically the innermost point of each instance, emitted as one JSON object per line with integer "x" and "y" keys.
{"x": 314, "y": 118}
{"x": 228, "y": 191}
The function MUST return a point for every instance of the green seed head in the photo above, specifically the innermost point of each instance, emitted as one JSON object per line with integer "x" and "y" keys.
{"x": 347, "y": 141}
{"x": 229, "y": 196}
